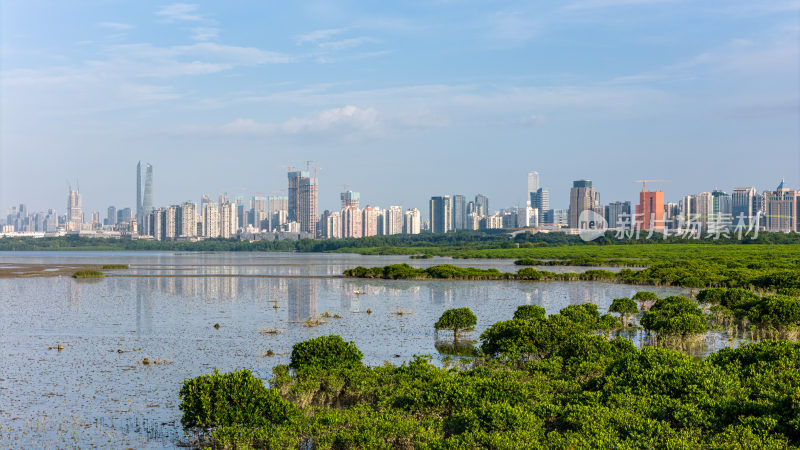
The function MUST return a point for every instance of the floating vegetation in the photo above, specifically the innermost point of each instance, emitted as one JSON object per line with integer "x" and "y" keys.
{"x": 216, "y": 325}
{"x": 337, "y": 316}
{"x": 268, "y": 353}
{"x": 115, "y": 266}
{"x": 314, "y": 322}
{"x": 146, "y": 361}
{"x": 88, "y": 274}
{"x": 326, "y": 315}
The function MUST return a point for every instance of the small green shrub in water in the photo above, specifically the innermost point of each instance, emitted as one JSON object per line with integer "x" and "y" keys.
{"x": 675, "y": 315}
{"x": 458, "y": 319}
{"x": 529, "y": 312}
{"x": 232, "y": 399}
{"x": 115, "y": 266}
{"x": 87, "y": 274}
{"x": 325, "y": 352}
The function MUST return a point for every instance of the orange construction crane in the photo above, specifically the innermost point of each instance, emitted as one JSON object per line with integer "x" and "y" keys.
{"x": 644, "y": 182}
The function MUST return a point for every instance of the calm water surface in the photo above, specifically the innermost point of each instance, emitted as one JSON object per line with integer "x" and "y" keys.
{"x": 97, "y": 392}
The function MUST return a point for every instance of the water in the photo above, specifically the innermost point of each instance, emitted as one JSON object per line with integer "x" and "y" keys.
{"x": 96, "y": 391}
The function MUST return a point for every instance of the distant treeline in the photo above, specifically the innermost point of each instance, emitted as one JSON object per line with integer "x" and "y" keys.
{"x": 395, "y": 244}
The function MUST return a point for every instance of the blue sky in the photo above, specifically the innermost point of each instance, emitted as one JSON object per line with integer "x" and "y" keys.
{"x": 397, "y": 100}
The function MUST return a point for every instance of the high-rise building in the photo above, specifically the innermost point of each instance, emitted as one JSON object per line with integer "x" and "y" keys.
{"x": 459, "y": 212}
{"x": 210, "y": 220}
{"x": 781, "y": 209}
{"x": 533, "y": 186}
{"x": 616, "y": 214}
{"x": 743, "y": 204}
{"x": 650, "y": 211}
{"x": 227, "y": 220}
{"x": 169, "y": 224}
{"x": 155, "y": 226}
{"x": 257, "y": 216}
{"x": 144, "y": 195}
{"x": 394, "y": 220}
{"x": 369, "y": 221}
{"x": 331, "y": 225}
{"x": 186, "y": 220}
{"x": 441, "y": 214}
{"x": 540, "y": 199}
{"x": 722, "y": 206}
{"x": 111, "y": 217}
{"x": 482, "y": 205}
{"x": 411, "y": 221}
{"x": 351, "y": 222}
{"x": 350, "y": 199}
{"x": 307, "y": 207}
{"x": 704, "y": 209}
{"x": 278, "y": 210}
{"x": 582, "y": 197}
{"x": 74, "y": 211}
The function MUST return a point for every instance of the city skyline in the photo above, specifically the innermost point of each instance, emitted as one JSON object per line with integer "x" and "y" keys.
{"x": 384, "y": 96}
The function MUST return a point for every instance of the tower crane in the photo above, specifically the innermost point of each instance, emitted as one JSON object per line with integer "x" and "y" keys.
{"x": 644, "y": 182}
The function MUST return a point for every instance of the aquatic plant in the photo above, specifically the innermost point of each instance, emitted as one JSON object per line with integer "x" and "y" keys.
{"x": 457, "y": 320}
{"x": 87, "y": 274}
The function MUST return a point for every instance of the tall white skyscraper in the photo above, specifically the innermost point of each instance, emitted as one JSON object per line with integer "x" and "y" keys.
{"x": 74, "y": 211}
{"x": 394, "y": 220}
{"x": 210, "y": 220}
{"x": 533, "y": 185}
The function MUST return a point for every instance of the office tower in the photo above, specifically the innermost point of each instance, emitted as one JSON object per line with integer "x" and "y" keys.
{"x": 258, "y": 212}
{"x": 671, "y": 214}
{"x": 540, "y": 199}
{"x": 650, "y": 211}
{"x": 482, "y": 205}
{"x": 533, "y": 186}
{"x": 722, "y": 203}
{"x": 278, "y": 210}
{"x": 124, "y": 215}
{"x": 743, "y": 202}
{"x": 51, "y": 221}
{"x": 210, "y": 220}
{"x": 441, "y": 216}
{"x": 703, "y": 209}
{"x": 144, "y": 195}
{"x": 186, "y": 220}
{"x": 618, "y": 212}
{"x": 369, "y": 221}
{"x": 411, "y": 221}
{"x": 509, "y": 220}
{"x": 293, "y": 194}
{"x": 459, "y": 212}
{"x": 350, "y": 199}
{"x": 471, "y": 208}
{"x": 111, "y": 218}
{"x": 331, "y": 225}
{"x": 781, "y": 209}
{"x": 74, "y": 211}
{"x": 307, "y": 207}
{"x": 394, "y": 220}
{"x": 351, "y": 222}
{"x": 582, "y": 197}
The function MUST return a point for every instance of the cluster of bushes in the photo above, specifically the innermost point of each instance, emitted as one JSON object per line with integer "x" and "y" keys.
{"x": 780, "y": 310}
{"x": 87, "y": 274}
{"x": 540, "y": 382}
{"x": 691, "y": 274}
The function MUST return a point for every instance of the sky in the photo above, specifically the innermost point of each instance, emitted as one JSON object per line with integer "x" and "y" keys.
{"x": 399, "y": 101}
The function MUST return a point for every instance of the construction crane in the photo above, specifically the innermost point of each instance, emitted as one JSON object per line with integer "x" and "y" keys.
{"x": 644, "y": 182}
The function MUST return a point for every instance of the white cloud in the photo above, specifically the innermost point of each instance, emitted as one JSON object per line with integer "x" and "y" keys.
{"x": 348, "y": 117}
{"x": 179, "y": 12}
{"x": 512, "y": 27}
{"x": 319, "y": 35}
{"x": 344, "y": 44}
{"x": 116, "y": 26}
{"x": 532, "y": 120}
{"x": 204, "y": 33}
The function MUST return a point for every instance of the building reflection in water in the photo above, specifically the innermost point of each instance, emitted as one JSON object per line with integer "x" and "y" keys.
{"x": 144, "y": 308}
{"x": 302, "y": 299}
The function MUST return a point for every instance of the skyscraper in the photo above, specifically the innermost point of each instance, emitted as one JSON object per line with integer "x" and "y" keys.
{"x": 582, "y": 197}
{"x": 293, "y": 193}
{"x": 533, "y": 185}
{"x": 742, "y": 203}
{"x": 307, "y": 207}
{"x": 74, "y": 211}
{"x": 411, "y": 221}
{"x": 394, "y": 220}
{"x": 210, "y": 220}
{"x": 781, "y": 209}
{"x": 540, "y": 200}
{"x": 459, "y": 212}
{"x": 111, "y": 218}
{"x": 350, "y": 198}
{"x": 650, "y": 210}
{"x": 616, "y": 212}
{"x": 482, "y": 205}
{"x": 144, "y": 197}
{"x": 441, "y": 214}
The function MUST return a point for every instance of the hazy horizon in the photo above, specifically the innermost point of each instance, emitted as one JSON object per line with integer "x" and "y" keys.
{"x": 399, "y": 102}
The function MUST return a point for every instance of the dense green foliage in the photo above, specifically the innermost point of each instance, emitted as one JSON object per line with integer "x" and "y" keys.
{"x": 778, "y": 310}
{"x": 624, "y": 306}
{"x": 457, "y": 320}
{"x": 645, "y": 296}
{"x": 236, "y": 398}
{"x": 675, "y": 315}
{"x": 528, "y": 312}
{"x": 87, "y": 274}
{"x": 115, "y": 266}
{"x": 325, "y": 352}
{"x": 547, "y": 383}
